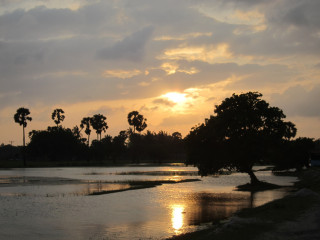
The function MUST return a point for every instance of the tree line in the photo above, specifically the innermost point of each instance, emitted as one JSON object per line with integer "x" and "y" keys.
{"x": 59, "y": 144}
{"x": 243, "y": 131}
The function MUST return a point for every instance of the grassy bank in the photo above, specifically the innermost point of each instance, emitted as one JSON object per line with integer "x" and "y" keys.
{"x": 295, "y": 216}
{"x": 135, "y": 185}
{"x": 80, "y": 163}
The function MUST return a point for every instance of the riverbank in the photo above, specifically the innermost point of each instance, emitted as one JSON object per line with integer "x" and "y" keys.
{"x": 5, "y": 164}
{"x": 296, "y": 216}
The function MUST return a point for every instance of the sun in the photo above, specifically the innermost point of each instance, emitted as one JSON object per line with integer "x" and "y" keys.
{"x": 175, "y": 97}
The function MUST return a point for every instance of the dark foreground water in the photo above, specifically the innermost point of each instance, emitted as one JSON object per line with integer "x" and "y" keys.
{"x": 53, "y": 203}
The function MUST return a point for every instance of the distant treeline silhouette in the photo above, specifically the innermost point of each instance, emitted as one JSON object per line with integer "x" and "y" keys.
{"x": 60, "y": 144}
{"x": 243, "y": 131}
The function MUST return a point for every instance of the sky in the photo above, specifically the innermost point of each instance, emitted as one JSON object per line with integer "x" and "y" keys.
{"x": 171, "y": 60}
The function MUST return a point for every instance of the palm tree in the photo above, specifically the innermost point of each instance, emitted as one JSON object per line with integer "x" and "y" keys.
{"x": 57, "y": 116}
{"x": 21, "y": 117}
{"x": 98, "y": 123}
{"x": 137, "y": 121}
{"x": 86, "y": 123}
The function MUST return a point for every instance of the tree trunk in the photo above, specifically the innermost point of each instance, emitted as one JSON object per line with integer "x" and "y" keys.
{"x": 253, "y": 179}
{"x": 24, "y": 141}
{"x": 24, "y": 149}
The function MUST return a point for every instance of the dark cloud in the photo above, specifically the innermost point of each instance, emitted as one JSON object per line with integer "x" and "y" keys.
{"x": 298, "y": 13}
{"x": 297, "y": 101}
{"x": 165, "y": 102}
{"x": 131, "y": 48}
{"x": 260, "y": 76}
{"x": 45, "y": 23}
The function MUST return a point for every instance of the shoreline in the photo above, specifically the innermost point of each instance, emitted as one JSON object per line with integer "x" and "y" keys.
{"x": 136, "y": 185}
{"x": 84, "y": 163}
{"x": 296, "y": 216}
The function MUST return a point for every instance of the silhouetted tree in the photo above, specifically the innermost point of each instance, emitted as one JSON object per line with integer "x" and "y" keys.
{"x": 86, "y": 123}
{"x": 241, "y": 133}
{"x": 55, "y": 144}
{"x": 178, "y": 146}
{"x": 294, "y": 154}
{"x": 135, "y": 146}
{"x": 57, "y": 116}
{"x": 101, "y": 150}
{"x": 137, "y": 121}
{"x": 177, "y": 135}
{"x": 119, "y": 145}
{"x": 21, "y": 117}
{"x": 98, "y": 123}
{"x": 155, "y": 147}
{"x": 9, "y": 152}
{"x": 77, "y": 133}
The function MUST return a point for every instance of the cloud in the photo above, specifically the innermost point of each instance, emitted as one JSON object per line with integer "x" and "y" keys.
{"x": 69, "y": 52}
{"x": 107, "y": 110}
{"x": 299, "y": 13}
{"x": 211, "y": 54}
{"x": 131, "y": 48}
{"x": 183, "y": 37}
{"x": 165, "y": 102}
{"x": 46, "y": 23}
{"x": 121, "y": 73}
{"x": 298, "y": 101}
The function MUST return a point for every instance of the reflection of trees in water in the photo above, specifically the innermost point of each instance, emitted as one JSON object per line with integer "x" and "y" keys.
{"x": 101, "y": 186}
{"x": 213, "y": 207}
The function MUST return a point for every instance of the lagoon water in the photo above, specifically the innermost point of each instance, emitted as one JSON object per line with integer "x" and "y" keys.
{"x": 53, "y": 203}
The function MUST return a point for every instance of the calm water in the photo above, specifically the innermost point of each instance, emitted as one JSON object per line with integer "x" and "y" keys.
{"x": 53, "y": 203}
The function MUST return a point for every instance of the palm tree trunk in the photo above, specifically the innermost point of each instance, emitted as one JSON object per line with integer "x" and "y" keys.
{"x": 24, "y": 149}
{"x": 24, "y": 140}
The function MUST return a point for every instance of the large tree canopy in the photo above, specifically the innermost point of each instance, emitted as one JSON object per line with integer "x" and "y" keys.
{"x": 242, "y": 132}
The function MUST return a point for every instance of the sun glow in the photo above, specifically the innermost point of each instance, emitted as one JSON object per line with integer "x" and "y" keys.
{"x": 175, "y": 97}
{"x": 177, "y": 217}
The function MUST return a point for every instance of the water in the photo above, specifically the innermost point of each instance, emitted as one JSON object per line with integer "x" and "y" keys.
{"x": 53, "y": 203}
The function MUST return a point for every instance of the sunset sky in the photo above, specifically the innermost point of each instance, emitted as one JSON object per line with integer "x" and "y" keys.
{"x": 171, "y": 60}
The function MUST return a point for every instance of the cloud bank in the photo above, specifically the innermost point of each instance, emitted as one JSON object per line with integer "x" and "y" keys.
{"x": 126, "y": 54}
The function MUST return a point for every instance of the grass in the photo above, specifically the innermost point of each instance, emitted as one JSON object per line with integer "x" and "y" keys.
{"x": 18, "y": 163}
{"x": 135, "y": 185}
{"x": 261, "y": 186}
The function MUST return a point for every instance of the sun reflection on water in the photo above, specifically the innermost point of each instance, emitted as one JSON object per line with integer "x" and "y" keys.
{"x": 177, "y": 217}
